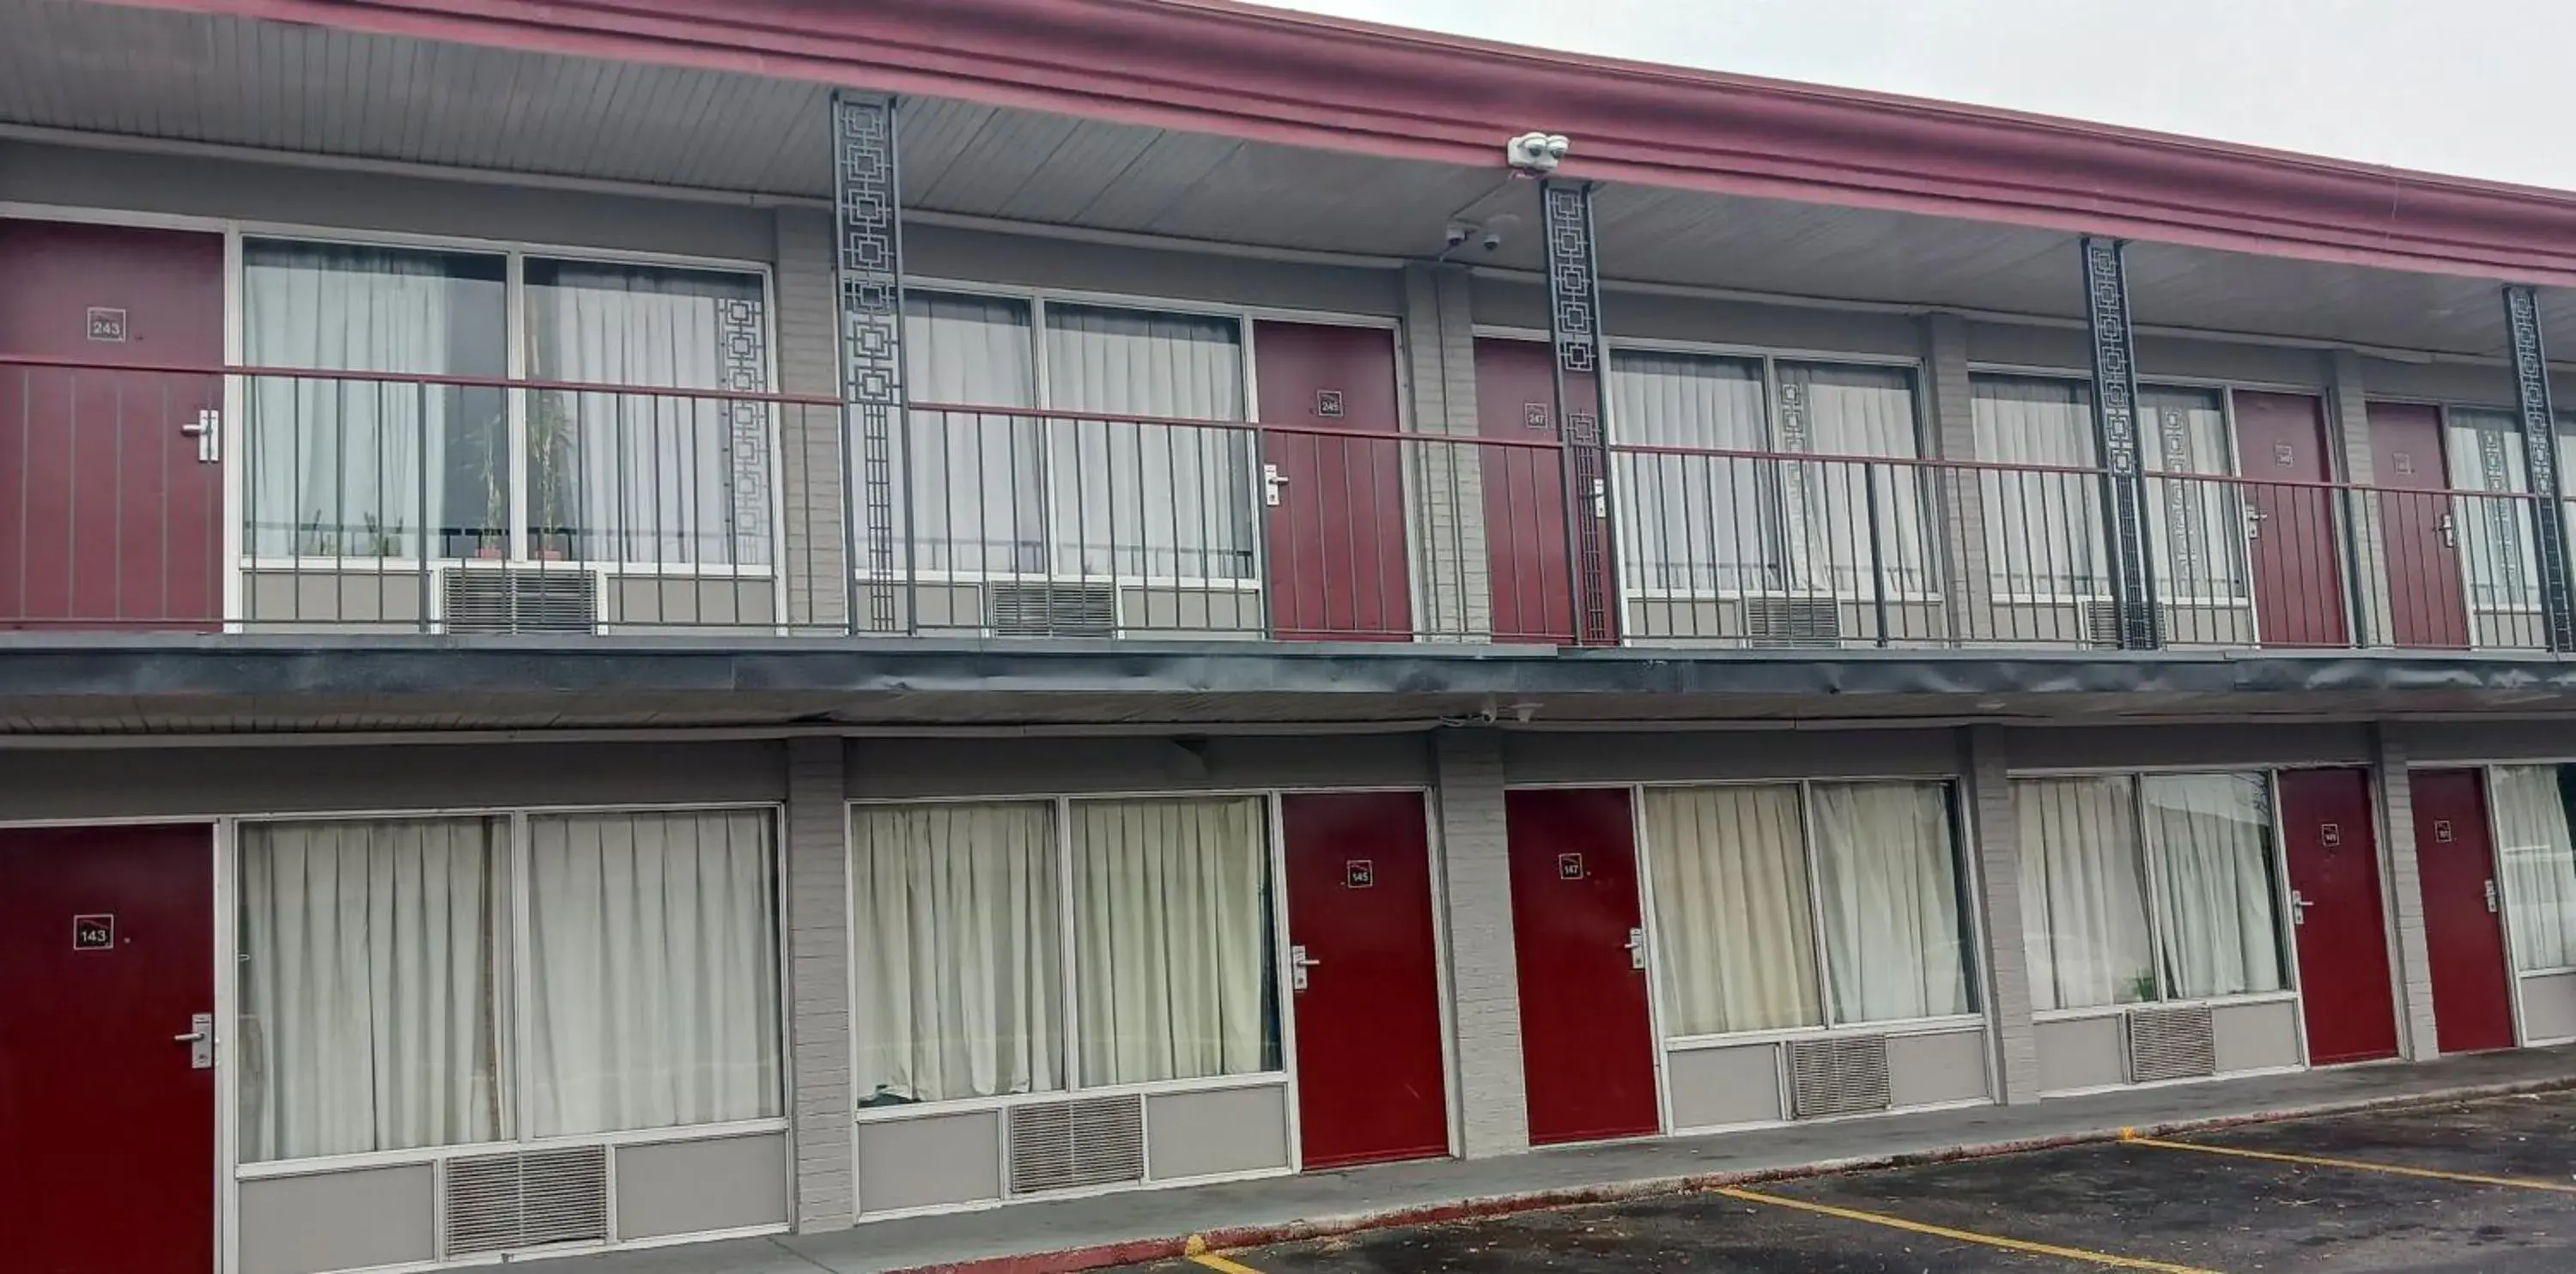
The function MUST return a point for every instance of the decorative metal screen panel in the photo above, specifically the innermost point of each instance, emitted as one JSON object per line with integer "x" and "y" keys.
{"x": 1051, "y": 610}
{"x": 868, "y": 229}
{"x": 2171, "y": 1044}
{"x": 520, "y": 601}
{"x": 1793, "y": 621}
{"x": 1068, "y": 1145}
{"x": 2115, "y": 430}
{"x": 1574, "y": 305}
{"x": 2540, "y": 458}
{"x": 501, "y": 1203}
{"x": 1838, "y": 1076}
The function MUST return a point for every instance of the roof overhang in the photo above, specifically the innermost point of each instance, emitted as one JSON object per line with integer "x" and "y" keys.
{"x": 1265, "y": 75}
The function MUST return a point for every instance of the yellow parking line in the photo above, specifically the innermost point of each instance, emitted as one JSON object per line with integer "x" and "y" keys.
{"x": 1965, "y": 1236}
{"x": 2357, "y": 1165}
{"x": 1197, "y": 1250}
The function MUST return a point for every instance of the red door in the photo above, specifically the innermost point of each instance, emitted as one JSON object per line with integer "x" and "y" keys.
{"x": 107, "y": 1126}
{"x": 2427, "y": 607}
{"x": 1525, "y": 544}
{"x": 2298, "y": 560}
{"x": 2463, "y": 932}
{"x": 1371, "y": 1085}
{"x": 110, "y": 513}
{"x": 2334, "y": 909}
{"x": 1587, "y": 1040}
{"x": 1333, "y": 478}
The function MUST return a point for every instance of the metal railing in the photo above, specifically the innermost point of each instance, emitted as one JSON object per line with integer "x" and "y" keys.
{"x": 273, "y": 499}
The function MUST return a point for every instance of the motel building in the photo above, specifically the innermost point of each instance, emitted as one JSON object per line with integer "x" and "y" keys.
{"x": 623, "y": 624}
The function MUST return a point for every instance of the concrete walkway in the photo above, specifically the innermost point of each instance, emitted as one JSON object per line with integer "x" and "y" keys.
{"x": 1089, "y": 1233}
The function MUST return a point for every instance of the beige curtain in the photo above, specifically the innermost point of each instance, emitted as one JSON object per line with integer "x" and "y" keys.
{"x": 1171, "y": 939}
{"x": 2538, "y": 860}
{"x": 1734, "y": 930}
{"x": 2045, "y": 528}
{"x": 1894, "y": 945}
{"x": 2083, "y": 893}
{"x": 960, "y": 986}
{"x": 2211, "y": 835}
{"x": 374, "y": 968}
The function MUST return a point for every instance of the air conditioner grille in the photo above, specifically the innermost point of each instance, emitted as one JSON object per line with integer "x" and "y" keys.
{"x": 521, "y": 601}
{"x": 1051, "y": 610}
{"x": 1793, "y": 621}
{"x": 1838, "y": 1076}
{"x": 1067, "y": 1145}
{"x": 501, "y": 1203}
{"x": 2171, "y": 1044}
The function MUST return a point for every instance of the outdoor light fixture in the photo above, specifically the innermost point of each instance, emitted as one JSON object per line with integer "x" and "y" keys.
{"x": 1536, "y": 153}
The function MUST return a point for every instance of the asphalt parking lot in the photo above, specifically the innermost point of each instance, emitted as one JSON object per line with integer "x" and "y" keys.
{"x": 2487, "y": 1187}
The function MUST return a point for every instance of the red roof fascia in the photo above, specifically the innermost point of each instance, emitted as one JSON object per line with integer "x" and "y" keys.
{"x": 1219, "y": 67}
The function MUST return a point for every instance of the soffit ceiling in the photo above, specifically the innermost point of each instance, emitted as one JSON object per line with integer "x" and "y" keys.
{"x": 172, "y": 77}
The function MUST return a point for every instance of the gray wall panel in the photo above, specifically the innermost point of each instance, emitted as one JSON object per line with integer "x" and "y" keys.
{"x": 2067, "y": 348}
{"x": 818, "y": 982}
{"x": 2080, "y": 1053}
{"x": 1716, "y": 1087}
{"x": 895, "y": 769}
{"x": 1569, "y": 757}
{"x": 983, "y": 256}
{"x": 1924, "y": 1070}
{"x": 696, "y": 1187}
{"x": 2549, "y": 1008}
{"x": 288, "y": 194}
{"x": 913, "y": 1163}
{"x": 1484, "y": 975}
{"x": 254, "y": 780}
{"x": 2466, "y": 384}
{"x": 2215, "y": 746}
{"x": 2255, "y": 1036}
{"x": 1652, "y": 316}
{"x": 338, "y": 1220}
{"x": 1203, "y": 1134}
{"x": 2451, "y": 742}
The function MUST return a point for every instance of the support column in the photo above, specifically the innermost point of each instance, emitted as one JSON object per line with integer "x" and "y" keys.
{"x": 2540, "y": 460}
{"x": 822, "y": 1106}
{"x": 1969, "y": 582}
{"x": 1447, "y": 477}
{"x": 1582, "y": 363}
{"x": 813, "y": 469}
{"x": 2412, "y": 958}
{"x": 2360, "y": 519}
{"x": 869, "y": 270}
{"x": 1998, "y": 850}
{"x": 2115, "y": 438}
{"x": 1484, "y": 978}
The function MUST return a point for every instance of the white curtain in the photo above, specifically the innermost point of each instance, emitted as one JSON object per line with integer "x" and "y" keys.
{"x": 2197, "y": 527}
{"x": 643, "y": 478}
{"x": 373, "y": 976}
{"x": 2083, "y": 893}
{"x": 2538, "y": 858}
{"x": 2045, "y": 529}
{"x": 1692, "y": 524}
{"x": 2211, "y": 835}
{"x": 1827, "y": 508}
{"x": 978, "y": 486}
{"x": 2484, "y": 451}
{"x": 954, "y": 909}
{"x": 1171, "y": 940}
{"x": 1734, "y": 930}
{"x": 337, "y": 467}
{"x": 1149, "y": 500}
{"x": 654, "y": 957}
{"x": 1889, "y": 867}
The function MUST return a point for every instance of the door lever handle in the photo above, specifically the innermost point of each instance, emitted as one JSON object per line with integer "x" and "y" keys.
{"x": 191, "y": 1037}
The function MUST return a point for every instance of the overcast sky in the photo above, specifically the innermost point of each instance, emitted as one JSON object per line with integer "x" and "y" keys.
{"x": 2481, "y": 88}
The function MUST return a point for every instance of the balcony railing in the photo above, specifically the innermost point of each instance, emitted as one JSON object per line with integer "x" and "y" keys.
{"x": 267, "y": 499}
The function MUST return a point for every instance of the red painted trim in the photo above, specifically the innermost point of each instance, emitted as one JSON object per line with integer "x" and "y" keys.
{"x": 1265, "y": 75}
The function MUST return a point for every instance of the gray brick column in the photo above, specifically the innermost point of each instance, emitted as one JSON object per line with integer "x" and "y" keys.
{"x": 1998, "y": 853}
{"x": 2361, "y": 517}
{"x": 1447, "y": 478}
{"x": 1484, "y": 981}
{"x": 822, "y": 1105}
{"x": 1960, "y": 492}
{"x": 812, "y": 468}
{"x": 2411, "y": 956}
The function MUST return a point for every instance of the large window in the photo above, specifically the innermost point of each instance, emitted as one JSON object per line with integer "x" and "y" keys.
{"x": 2143, "y": 888}
{"x": 994, "y": 492}
{"x": 657, "y": 473}
{"x": 1780, "y": 906}
{"x": 1020, "y": 947}
{"x": 424, "y": 982}
{"x": 2537, "y": 857}
{"x": 1703, "y": 524}
{"x": 2043, "y": 528}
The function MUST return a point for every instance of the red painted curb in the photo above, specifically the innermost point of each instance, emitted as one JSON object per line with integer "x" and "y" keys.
{"x": 1235, "y": 1238}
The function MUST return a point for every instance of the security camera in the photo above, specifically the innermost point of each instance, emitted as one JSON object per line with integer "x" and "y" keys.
{"x": 1457, "y": 234}
{"x": 1536, "y": 153}
{"x": 1493, "y": 241}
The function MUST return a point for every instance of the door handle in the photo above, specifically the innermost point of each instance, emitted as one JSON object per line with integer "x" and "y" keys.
{"x": 2450, "y": 532}
{"x": 208, "y": 430}
{"x": 1271, "y": 481}
{"x": 2491, "y": 896}
{"x": 1601, "y": 509}
{"x": 2254, "y": 523}
{"x": 1636, "y": 948}
{"x": 200, "y": 1040}
{"x": 2298, "y": 909}
{"x": 1298, "y": 963}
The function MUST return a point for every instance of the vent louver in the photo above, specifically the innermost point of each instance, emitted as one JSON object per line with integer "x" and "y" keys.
{"x": 1051, "y": 610}
{"x": 2171, "y": 1044}
{"x": 503, "y": 1203}
{"x": 1067, "y": 1145}
{"x": 516, "y": 601}
{"x": 1793, "y": 621}
{"x": 1838, "y": 1076}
